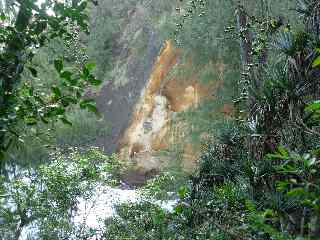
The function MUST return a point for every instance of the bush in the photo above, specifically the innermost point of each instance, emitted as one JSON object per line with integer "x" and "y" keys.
{"x": 46, "y": 198}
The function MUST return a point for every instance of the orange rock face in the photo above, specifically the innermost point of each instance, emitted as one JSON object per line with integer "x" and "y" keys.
{"x": 151, "y": 127}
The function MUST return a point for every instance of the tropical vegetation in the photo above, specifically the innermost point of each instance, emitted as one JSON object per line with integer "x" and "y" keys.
{"x": 257, "y": 176}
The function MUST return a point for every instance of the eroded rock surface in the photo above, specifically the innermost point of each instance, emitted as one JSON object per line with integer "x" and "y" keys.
{"x": 151, "y": 129}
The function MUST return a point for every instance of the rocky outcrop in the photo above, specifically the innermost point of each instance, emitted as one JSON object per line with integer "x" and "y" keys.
{"x": 119, "y": 95}
{"x": 151, "y": 128}
{"x": 145, "y": 95}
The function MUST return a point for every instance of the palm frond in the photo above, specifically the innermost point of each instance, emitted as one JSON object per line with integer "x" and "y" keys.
{"x": 284, "y": 42}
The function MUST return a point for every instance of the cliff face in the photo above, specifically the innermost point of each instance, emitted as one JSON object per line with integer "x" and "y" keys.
{"x": 152, "y": 128}
{"x": 150, "y": 122}
{"x": 129, "y": 75}
{"x": 152, "y": 84}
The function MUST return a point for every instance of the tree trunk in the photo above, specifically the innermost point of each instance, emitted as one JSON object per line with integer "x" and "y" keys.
{"x": 314, "y": 232}
{"x": 11, "y": 67}
{"x": 246, "y": 41}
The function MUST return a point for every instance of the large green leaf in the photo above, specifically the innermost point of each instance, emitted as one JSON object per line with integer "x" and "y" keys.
{"x": 316, "y": 62}
{"x": 314, "y": 106}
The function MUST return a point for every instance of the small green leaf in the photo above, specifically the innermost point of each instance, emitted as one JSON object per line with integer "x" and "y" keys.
{"x": 92, "y": 108}
{"x": 85, "y": 72}
{"x": 33, "y": 71}
{"x": 40, "y": 27}
{"x": 56, "y": 92}
{"x": 85, "y": 102}
{"x": 251, "y": 206}
{"x": 39, "y": 99}
{"x": 31, "y": 91}
{"x": 66, "y": 75}
{"x": 44, "y": 120}
{"x": 182, "y": 192}
{"x": 31, "y": 121}
{"x": 59, "y": 111}
{"x": 66, "y": 121}
{"x": 316, "y": 62}
{"x": 2, "y": 16}
{"x": 1, "y": 155}
{"x": 158, "y": 217}
{"x": 7, "y": 146}
{"x": 282, "y": 185}
{"x": 90, "y": 66}
{"x": 55, "y": 110}
{"x": 283, "y": 151}
{"x": 66, "y": 101}
{"x": 58, "y": 64}
{"x": 82, "y": 6}
{"x": 178, "y": 209}
{"x": 310, "y": 162}
{"x": 268, "y": 213}
{"x": 79, "y": 94}
{"x": 95, "y": 82}
{"x": 297, "y": 192}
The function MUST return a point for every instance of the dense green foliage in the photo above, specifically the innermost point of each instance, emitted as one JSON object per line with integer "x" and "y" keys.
{"x": 45, "y": 198}
{"x": 26, "y": 27}
{"x": 259, "y": 177}
{"x": 258, "y": 174}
